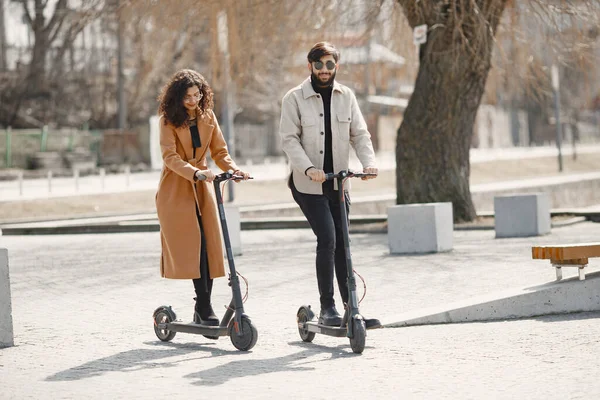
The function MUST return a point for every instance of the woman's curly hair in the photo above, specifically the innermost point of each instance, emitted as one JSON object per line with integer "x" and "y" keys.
{"x": 172, "y": 94}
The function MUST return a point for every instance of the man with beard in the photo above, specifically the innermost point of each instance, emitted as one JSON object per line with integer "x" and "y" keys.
{"x": 320, "y": 119}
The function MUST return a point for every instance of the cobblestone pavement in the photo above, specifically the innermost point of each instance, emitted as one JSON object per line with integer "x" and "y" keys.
{"x": 82, "y": 314}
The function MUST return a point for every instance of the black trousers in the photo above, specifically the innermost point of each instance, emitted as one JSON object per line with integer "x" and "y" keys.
{"x": 324, "y": 216}
{"x": 203, "y": 285}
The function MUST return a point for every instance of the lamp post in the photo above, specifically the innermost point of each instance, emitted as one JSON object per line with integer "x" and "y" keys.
{"x": 122, "y": 105}
{"x": 3, "y": 64}
{"x": 228, "y": 101}
{"x": 556, "y": 90}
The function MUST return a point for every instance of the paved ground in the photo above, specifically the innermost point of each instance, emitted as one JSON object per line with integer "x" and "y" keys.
{"x": 82, "y": 309}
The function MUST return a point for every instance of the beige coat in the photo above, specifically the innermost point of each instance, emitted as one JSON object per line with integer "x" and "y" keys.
{"x": 176, "y": 203}
{"x": 302, "y": 133}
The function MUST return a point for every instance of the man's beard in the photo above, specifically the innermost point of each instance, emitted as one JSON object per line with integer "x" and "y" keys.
{"x": 319, "y": 82}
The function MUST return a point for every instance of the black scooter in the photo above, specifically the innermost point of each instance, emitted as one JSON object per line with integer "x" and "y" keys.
{"x": 240, "y": 329}
{"x": 353, "y": 324}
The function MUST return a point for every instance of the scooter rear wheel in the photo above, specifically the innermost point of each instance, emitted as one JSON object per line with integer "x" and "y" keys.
{"x": 304, "y": 315}
{"x": 359, "y": 335}
{"x": 249, "y": 337}
{"x": 164, "y": 315}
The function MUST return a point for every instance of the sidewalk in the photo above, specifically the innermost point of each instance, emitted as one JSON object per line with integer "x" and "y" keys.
{"x": 118, "y": 183}
{"x": 82, "y": 307}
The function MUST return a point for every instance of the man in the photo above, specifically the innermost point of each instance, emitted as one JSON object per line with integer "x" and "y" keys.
{"x": 320, "y": 119}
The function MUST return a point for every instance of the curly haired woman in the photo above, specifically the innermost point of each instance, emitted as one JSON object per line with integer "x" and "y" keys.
{"x": 191, "y": 242}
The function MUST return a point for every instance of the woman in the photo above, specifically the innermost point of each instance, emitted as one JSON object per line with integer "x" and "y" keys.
{"x": 190, "y": 232}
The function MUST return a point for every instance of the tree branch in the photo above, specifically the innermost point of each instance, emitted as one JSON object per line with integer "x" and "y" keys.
{"x": 58, "y": 16}
{"x": 26, "y": 12}
{"x": 421, "y": 12}
{"x": 52, "y": 35}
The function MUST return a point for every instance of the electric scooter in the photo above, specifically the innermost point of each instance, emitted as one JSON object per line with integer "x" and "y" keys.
{"x": 240, "y": 329}
{"x": 353, "y": 324}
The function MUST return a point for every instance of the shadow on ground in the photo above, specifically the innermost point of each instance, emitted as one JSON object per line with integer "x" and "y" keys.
{"x": 295, "y": 362}
{"x": 138, "y": 359}
{"x": 148, "y": 358}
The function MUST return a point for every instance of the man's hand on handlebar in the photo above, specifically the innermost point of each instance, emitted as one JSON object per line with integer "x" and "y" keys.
{"x": 370, "y": 170}
{"x": 317, "y": 175}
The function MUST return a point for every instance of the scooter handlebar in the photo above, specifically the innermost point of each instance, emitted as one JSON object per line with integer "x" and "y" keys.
{"x": 225, "y": 176}
{"x": 346, "y": 174}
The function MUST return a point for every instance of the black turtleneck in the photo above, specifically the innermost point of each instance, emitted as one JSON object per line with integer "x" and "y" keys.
{"x": 325, "y": 93}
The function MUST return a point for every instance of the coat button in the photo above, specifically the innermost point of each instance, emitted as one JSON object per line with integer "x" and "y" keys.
{"x": 318, "y": 97}
{"x": 322, "y": 133}
{"x": 348, "y": 119}
{"x": 321, "y": 152}
{"x": 321, "y": 114}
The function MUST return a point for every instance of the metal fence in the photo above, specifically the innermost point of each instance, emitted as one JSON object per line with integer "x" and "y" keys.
{"x": 20, "y": 145}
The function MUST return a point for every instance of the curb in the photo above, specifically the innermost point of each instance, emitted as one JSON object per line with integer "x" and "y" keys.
{"x": 358, "y": 224}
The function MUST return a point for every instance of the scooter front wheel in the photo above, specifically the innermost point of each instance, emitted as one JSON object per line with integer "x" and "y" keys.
{"x": 249, "y": 336}
{"x": 304, "y": 315}
{"x": 164, "y": 315}
{"x": 359, "y": 335}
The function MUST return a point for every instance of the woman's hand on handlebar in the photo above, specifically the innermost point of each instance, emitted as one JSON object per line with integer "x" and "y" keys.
{"x": 239, "y": 172}
{"x": 209, "y": 176}
{"x": 370, "y": 170}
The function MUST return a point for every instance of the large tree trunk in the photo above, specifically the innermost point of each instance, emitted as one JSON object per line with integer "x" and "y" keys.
{"x": 37, "y": 66}
{"x": 432, "y": 150}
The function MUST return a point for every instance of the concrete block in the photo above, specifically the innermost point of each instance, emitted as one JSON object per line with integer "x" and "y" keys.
{"x": 234, "y": 225}
{"x": 420, "y": 228}
{"x": 522, "y": 215}
{"x": 6, "y": 326}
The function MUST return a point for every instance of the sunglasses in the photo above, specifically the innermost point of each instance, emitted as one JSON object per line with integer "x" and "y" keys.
{"x": 198, "y": 96}
{"x": 329, "y": 64}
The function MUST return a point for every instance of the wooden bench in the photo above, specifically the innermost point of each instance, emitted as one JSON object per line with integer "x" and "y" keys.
{"x": 570, "y": 255}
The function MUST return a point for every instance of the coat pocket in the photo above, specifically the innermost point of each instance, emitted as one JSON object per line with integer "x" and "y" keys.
{"x": 308, "y": 122}
{"x": 343, "y": 121}
{"x": 308, "y": 138}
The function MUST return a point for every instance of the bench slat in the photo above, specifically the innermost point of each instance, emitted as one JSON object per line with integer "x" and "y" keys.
{"x": 578, "y": 261}
{"x": 566, "y": 252}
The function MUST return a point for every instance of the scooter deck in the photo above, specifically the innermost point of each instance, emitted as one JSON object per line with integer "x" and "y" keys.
{"x": 324, "y": 329}
{"x": 194, "y": 328}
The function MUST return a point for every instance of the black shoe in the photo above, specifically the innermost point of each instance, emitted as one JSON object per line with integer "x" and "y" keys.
{"x": 209, "y": 321}
{"x": 204, "y": 315}
{"x": 330, "y": 317}
{"x": 372, "y": 323}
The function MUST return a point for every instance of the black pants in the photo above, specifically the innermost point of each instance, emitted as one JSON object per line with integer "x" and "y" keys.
{"x": 203, "y": 285}
{"x": 324, "y": 216}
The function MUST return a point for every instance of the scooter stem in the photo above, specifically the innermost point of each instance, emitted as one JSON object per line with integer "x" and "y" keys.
{"x": 351, "y": 280}
{"x": 237, "y": 301}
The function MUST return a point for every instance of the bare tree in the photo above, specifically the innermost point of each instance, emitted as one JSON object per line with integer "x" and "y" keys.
{"x": 54, "y": 31}
{"x": 434, "y": 139}
{"x": 259, "y": 40}
{"x": 529, "y": 41}
{"x": 48, "y": 30}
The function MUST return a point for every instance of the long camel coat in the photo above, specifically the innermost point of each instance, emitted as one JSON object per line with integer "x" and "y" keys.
{"x": 176, "y": 202}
